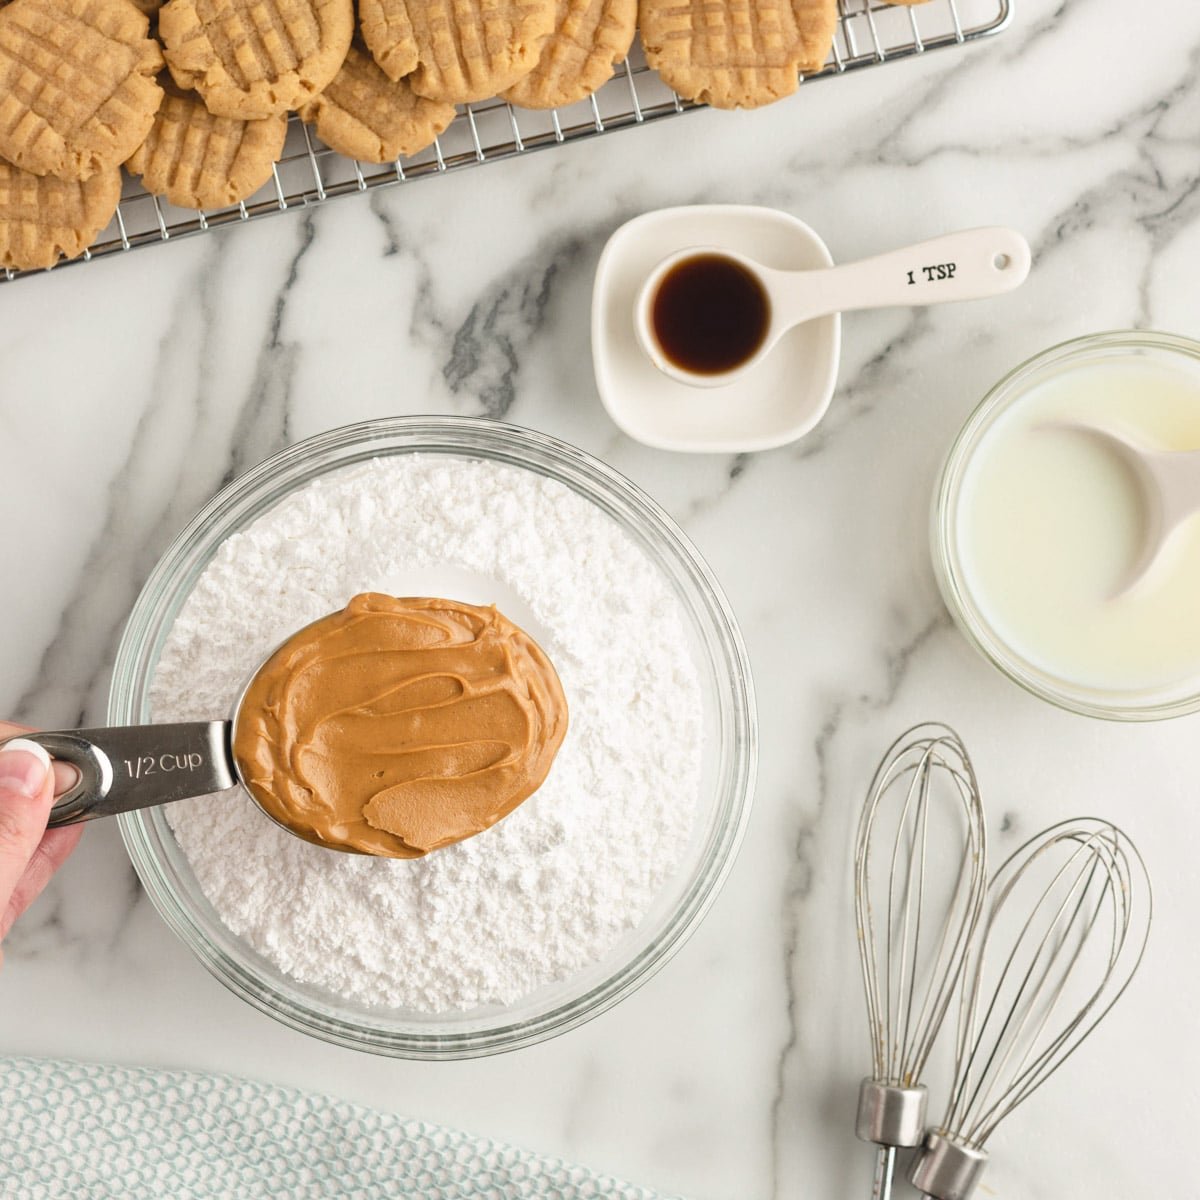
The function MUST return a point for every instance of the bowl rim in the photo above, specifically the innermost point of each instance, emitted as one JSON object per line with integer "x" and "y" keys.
{"x": 262, "y": 486}
{"x": 1101, "y": 703}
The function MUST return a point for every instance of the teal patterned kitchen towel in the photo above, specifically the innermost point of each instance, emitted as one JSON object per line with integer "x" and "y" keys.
{"x": 78, "y": 1131}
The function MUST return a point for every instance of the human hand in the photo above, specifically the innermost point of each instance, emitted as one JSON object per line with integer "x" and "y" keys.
{"x": 29, "y": 852}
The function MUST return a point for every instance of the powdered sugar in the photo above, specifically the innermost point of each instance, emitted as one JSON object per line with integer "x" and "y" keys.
{"x": 551, "y": 888}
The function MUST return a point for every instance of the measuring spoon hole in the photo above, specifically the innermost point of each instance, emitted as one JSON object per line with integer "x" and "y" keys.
{"x": 1002, "y": 262}
{"x": 66, "y": 776}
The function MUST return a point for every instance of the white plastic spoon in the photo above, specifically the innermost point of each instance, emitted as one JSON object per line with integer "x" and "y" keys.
{"x": 1169, "y": 481}
{"x": 969, "y": 265}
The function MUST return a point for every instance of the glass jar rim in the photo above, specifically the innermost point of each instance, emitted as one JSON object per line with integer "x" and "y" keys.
{"x": 1106, "y": 704}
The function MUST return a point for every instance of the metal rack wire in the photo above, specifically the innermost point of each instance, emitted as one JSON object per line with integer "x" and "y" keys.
{"x": 870, "y": 33}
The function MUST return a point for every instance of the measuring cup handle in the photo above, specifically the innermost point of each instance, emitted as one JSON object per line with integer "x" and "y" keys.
{"x": 136, "y": 766}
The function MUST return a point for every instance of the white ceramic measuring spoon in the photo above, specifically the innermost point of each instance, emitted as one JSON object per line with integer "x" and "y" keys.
{"x": 969, "y": 265}
{"x": 1169, "y": 481}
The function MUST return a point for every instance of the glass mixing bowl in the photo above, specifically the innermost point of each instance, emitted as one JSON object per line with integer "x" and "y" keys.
{"x": 729, "y": 752}
{"x": 953, "y": 580}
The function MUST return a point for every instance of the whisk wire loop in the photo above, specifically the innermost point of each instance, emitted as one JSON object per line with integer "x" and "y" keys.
{"x": 924, "y": 788}
{"x": 1074, "y": 953}
{"x": 1025, "y": 1013}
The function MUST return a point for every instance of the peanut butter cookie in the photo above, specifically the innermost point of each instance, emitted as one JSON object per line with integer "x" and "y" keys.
{"x": 590, "y": 37}
{"x": 197, "y": 160}
{"x": 466, "y": 50}
{"x": 42, "y": 217}
{"x": 77, "y": 87}
{"x": 365, "y": 115}
{"x": 736, "y": 53}
{"x": 255, "y": 58}
{"x": 388, "y": 34}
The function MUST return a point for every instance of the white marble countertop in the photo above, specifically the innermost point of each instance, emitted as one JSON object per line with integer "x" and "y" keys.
{"x": 132, "y": 389}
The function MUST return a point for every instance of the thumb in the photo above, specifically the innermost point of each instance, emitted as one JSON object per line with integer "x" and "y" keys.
{"x": 26, "y": 796}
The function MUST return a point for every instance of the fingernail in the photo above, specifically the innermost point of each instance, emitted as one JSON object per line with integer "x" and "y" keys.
{"x": 24, "y": 766}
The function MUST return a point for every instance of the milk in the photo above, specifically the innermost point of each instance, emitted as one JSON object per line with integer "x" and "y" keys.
{"x": 1050, "y": 522}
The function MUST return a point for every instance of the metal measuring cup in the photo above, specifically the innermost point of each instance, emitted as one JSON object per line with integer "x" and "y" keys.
{"x": 123, "y": 768}
{"x": 126, "y": 767}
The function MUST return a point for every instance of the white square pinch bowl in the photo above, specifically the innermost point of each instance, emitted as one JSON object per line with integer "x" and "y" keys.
{"x": 780, "y": 399}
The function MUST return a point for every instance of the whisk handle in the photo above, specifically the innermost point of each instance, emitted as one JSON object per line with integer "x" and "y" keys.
{"x": 947, "y": 1169}
{"x": 889, "y": 1115}
{"x": 885, "y": 1172}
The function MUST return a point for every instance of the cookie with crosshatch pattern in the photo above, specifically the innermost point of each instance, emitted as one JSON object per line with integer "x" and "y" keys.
{"x": 388, "y": 34}
{"x": 463, "y": 50}
{"x": 365, "y": 115}
{"x": 77, "y": 85}
{"x": 43, "y": 217}
{"x": 590, "y": 37}
{"x": 197, "y": 160}
{"x": 255, "y": 58}
{"x": 736, "y": 53}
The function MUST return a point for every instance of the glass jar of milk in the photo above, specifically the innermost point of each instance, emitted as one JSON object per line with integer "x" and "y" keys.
{"x": 1037, "y": 525}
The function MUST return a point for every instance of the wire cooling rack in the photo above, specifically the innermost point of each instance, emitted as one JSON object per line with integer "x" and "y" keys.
{"x": 870, "y": 33}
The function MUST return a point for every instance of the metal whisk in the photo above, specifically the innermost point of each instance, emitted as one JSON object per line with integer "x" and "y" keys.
{"x": 920, "y": 878}
{"x": 1067, "y": 920}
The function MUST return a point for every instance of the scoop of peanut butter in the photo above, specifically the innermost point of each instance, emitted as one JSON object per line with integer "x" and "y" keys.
{"x": 398, "y": 726}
